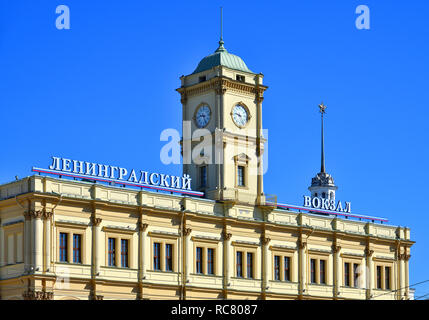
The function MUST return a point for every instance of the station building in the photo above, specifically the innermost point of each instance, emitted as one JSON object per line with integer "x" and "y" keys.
{"x": 63, "y": 238}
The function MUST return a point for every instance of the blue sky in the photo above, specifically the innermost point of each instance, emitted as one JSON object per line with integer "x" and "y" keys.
{"x": 105, "y": 89}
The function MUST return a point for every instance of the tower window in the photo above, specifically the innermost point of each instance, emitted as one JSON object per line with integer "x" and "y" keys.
{"x": 315, "y": 194}
{"x": 240, "y": 78}
{"x": 323, "y": 195}
{"x": 240, "y": 176}
{"x": 203, "y": 176}
{"x": 202, "y": 78}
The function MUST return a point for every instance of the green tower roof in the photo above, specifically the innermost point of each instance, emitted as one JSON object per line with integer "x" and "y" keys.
{"x": 221, "y": 57}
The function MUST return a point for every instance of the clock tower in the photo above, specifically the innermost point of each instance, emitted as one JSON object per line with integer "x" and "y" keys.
{"x": 222, "y": 143}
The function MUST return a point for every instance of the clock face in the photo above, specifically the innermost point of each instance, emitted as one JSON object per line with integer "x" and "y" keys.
{"x": 202, "y": 117}
{"x": 240, "y": 115}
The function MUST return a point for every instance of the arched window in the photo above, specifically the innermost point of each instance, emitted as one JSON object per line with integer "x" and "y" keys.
{"x": 315, "y": 194}
{"x": 323, "y": 195}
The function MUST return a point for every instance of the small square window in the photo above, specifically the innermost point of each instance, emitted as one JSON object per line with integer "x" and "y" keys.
{"x": 202, "y": 78}
{"x": 240, "y": 78}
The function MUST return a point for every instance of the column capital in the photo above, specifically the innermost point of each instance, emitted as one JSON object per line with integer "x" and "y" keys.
{"x": 265, "y": 240}
{"x": 27, "y": 214}
{"x": 336, "y": 248}
{"x": 187, "y": 232}
{"x": 142, "y": 226}
{"x": 47, "y": 215}
{"x": 227, "y": 235}
{"x": 36, "y": 214}
{"x": 302, "y": 244}
{"x": 95, "y": 221}
{"x": 368, "y": 252}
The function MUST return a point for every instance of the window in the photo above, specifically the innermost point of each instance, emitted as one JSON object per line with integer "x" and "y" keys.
{"x": 210, "y": 261}
{"x": 387, "y": 278}
{"x": 323, "y": 195}
{"x": 276, "y": 267}
{"x": 112, "y": 254}
{"x": 240, "y": 78}
{"x": 322, "y": 271}
{"x": 124, "y": 253}
{"x": 77, "y": 248}
{"x": 202, "y": 79}
{"x": 287, "y": 268}
{"x": 347, "y": 274}
{"x": 168, "y": 257}
{"x": 356, "y": 269}
{"x": 379, "y": 286}
{"x": 63, "y": 247}
{"x": 203, "y": 176}
{"x": 156, "y": 256}
{"x": 199, "y": 260}
{"x": 239, "y": 264}
{"x": 240, "y": 176}
{"x": 313, "y": 270}
{"x": 250, "y": 265}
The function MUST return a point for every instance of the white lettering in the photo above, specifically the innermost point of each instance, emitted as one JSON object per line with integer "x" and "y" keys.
{"x": 348, "y": 208}
{"x": 164, "y": 181}
{"x": 66, "y": 165}
{"x": 316, "y": 202}
{"x": 112, "y": 172}
{"x": 151, "y": 179}
{"x": 307, "y": 201}
{"x": 90, "y": 168}
{"x": 122, "y": 172}
{"x": 103, "y": 170}
{"x": 55, "y": 164}
{"x": 143, "y": 177}
{"x": 78, "y": 165}
{"x": 133, "y": 177}
{"x": 175, "y": 182}
{"x": 332, "y": 204}
{"x": 186, "y": 182}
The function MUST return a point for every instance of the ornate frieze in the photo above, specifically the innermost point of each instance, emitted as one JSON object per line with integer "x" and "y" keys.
{"x": 221, "y": 85}
{"x": 37, "y": 295}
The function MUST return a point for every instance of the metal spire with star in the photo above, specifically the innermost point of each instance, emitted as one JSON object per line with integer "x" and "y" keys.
{"x": 322, "y": 109}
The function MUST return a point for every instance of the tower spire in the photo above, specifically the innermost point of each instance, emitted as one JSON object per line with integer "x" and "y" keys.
{"x": 221, "y": 47}
{"x": 322, "y": 108}
{"x": 322, "y": 185}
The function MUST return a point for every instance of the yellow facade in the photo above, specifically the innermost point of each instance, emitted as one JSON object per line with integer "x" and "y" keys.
{"x": 35, "y": 210}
